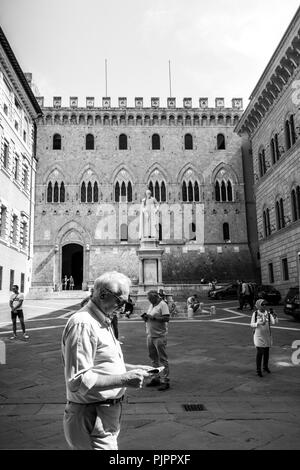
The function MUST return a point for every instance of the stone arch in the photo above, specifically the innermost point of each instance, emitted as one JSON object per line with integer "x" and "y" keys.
{"x": 156, "y": 167}
{"x": 185, "y": 169}
{"x": 122, "y": 167}
{"x": 60, "y": 173}
{"x": 89, "y": 171}
{"x": 72, "y": 232}
{"x": 228, "y": 171}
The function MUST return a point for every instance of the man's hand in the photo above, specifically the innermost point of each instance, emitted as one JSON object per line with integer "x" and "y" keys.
{"x": 134, "y": 378}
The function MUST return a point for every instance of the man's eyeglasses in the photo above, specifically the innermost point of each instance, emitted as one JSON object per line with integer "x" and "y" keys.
{"x": 120, "y": 301}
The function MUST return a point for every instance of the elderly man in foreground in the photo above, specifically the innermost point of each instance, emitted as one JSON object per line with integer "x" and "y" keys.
{"x": 95, "y": 373}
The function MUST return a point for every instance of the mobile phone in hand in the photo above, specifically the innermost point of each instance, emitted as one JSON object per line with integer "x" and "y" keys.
{"x": 156, "y": 370}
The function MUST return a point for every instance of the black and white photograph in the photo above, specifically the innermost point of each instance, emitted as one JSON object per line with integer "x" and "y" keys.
{"x": 149, "y": 228}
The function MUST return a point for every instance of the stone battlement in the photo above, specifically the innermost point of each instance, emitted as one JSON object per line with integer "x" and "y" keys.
{"x": 236, "y": 104}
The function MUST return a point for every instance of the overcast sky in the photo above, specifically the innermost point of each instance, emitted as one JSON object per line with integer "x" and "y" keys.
{"x": 217, "y": 48}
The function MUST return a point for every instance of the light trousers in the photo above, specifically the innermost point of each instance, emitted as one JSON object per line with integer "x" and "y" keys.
{"x": 91, "y": 426}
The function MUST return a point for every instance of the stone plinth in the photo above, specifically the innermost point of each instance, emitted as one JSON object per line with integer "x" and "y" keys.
{"x": 150, "y": 270}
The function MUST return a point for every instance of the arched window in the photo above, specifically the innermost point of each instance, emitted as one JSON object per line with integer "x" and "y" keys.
{"x": 49, "y": 192}
{"x": 223, "y": 191}
{"x": 220, "y": 142}
{"x": 287, "y": 134}
{"x": 163, "y": 192}
{"x": 217, "y": 191}
{"x": 266, "y": 223}
{"x": 156, "y": 191}
{"x": 55, "y": 196}
{"x": 57, "y": 142}
{"x": 229, "y": 191}
{"x": 122, "y": 142}
{"x": 188, "y": 142}
{"x": 273, "y": 151}
{"x": 117, "y": 192}
{"x": 184, "y": 192}
{"x": 190, "y": 192}
{"x": 83, "y": 192}
{"x": 262, "y": 162}
{"x": 124, "y": 232}
{"x": 196, "y": 192}
{"x": 295, "y": 198}
{"x": 150, "y": 186}
{"x": 155, "y": 142}
{"x": 226, "y": 235}
{"x": 96, "y": 192}
{"x": 290, "y": 135}
{"x": 62, "y": 192}
{"x": 89, "y": 192}
{"x": 123, "y": 191}
{"x": 89, "y": 142}
{"x": 129, "y": 192}
{"x": 279, "y": 209}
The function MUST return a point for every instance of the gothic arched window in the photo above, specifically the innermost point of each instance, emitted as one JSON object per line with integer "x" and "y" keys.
{"x": 49, "y": 192}
{"x": 83, "y": 192}
{"x": 55, "y": 196}
{"x": 226, "y": 235}
{"x": 62, "y": 192}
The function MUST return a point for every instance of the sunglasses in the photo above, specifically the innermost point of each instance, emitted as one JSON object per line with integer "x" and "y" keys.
{"x": 120, "y": 301}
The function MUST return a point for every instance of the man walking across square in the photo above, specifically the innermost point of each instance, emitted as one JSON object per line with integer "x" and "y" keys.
{"x": 15, "y": 302}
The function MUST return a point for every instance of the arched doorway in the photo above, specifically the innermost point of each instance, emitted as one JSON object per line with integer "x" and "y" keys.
{"x": 72, "y": 263}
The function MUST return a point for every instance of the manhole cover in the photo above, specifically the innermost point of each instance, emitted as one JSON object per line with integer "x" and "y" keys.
{"x": 194, "y": 407}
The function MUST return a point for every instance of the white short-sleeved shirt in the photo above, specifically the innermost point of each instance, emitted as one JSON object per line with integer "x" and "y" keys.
{"x": 89, "y": 348}
{"x": 16, "y": 298}
{"x": 156, "y": 328}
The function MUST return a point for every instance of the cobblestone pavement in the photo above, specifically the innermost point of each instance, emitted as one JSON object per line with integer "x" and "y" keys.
{"x": 212, "y": 364}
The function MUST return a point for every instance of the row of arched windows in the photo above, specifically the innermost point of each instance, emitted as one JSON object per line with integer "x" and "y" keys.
{"x": 123, "y": 142}
{"x": 223, "y": 191}
{"x": 280, "y": 218}
{"x": 190, "y": 192}
{"x": 147, "y": 120}
{"x": 277, "y": 150}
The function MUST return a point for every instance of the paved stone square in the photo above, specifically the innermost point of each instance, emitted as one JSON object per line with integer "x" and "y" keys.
{"x": 212, "y": 363}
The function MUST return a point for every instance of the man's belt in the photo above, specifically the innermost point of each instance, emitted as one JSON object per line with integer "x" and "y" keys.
{"x": 109, "y": 401}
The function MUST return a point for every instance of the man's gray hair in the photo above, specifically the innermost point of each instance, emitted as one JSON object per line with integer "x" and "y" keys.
{"x": 113, "y": 280}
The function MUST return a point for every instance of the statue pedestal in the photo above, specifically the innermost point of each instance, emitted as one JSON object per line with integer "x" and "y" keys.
{"x": 150, "y": 270}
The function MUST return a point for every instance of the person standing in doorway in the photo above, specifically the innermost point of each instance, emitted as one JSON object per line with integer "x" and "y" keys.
{"x": 65, "y": 282}
{"x": 262, "y": 320}
{"x": 71, "y": 282}
{"x": 15, "y": 302}
{"x": 157, "y": 318}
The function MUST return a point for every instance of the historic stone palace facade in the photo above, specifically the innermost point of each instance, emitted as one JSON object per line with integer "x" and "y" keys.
{"x": 272, "y": 125}
{"x": 94, "y": 165}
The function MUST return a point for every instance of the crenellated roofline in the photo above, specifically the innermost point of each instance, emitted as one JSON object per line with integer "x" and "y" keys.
{"x": 277, "y": 76}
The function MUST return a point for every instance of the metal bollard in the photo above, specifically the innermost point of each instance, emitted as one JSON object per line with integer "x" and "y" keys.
{"x": 213, "y": 310}
{"x": 2, "y": 352}
{"x": 200, "y": 307}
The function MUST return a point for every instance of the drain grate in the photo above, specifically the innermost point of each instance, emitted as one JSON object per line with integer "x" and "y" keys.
{"x": 194, "y": 407}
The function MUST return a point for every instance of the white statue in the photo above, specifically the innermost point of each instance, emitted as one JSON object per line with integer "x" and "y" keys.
{"x": 149, "y": 217}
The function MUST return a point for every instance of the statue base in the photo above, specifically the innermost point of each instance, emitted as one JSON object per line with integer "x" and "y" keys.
{"x": 150, "y": 271}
